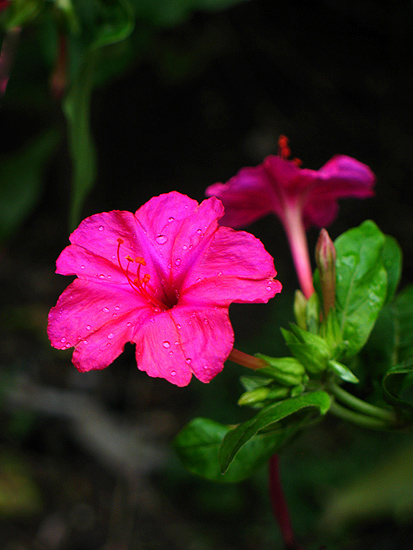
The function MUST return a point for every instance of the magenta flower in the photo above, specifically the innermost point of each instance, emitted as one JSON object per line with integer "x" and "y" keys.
{"x": 298, "y": 196}
{"x": 162, "y": 278}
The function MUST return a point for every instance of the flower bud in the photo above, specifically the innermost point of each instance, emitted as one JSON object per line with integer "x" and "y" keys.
{"x": 259, "y": 395}
{"x": 325, "y": 256}
{"x": 287, "y": 371}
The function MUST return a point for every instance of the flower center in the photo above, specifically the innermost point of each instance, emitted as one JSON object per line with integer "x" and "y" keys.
{"x": 139, "y": 282}
{"x": 284, "y": 150}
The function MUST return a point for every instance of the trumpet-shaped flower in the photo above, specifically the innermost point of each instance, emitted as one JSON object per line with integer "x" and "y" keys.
{"x": 162, "y": 278}
{"x": 299, "y": 197}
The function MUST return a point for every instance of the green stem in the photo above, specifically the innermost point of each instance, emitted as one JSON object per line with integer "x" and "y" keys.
{"x": 361, "y": 406}
{"x": 357, "y": 418}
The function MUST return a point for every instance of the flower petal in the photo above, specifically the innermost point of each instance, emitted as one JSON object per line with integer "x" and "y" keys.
{"x": 91, "y": 312}
{"x": 235, "y": 268}
{"x": 185, "y": 341}
{"x": 246, "y": 196}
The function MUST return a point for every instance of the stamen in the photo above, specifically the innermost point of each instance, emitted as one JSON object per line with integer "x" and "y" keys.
{"x": 284, "y": 151}
{"x": 138, "y": 284}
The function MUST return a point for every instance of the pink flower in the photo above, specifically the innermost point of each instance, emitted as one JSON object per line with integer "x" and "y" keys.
{"x": 300, "y": 197}
{"x": 162, "y": 278}
{"x": 279, "y": 185}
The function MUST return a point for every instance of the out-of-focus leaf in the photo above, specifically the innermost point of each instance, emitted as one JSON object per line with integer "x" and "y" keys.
{"x": 398, "y": 384}
{"x": 21, "y": 179}
{"x": 104, "y": 22}
{"x": 166, "y": 13}
{"x": 76, "y": 107}
{"x": 20, "y": 12}
{"x": 361, "y": 283}
{"x": 19, "y": 495}
{"x": 268, "y": 418}
{"x": 385, "y": 491}
{"x": 198, "y": 446}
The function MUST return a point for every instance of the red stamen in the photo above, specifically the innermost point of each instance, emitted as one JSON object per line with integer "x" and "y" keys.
{"x": 283, "y": 149}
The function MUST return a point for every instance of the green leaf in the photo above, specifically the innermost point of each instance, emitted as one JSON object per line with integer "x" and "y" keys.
{"x": 22, "y": 181}
{"x": 269, "y": 418}
{"x": 198, "y": 445}
{"x": 76, "y": 107}
{"x": 361, "y": 283}
{"x": 343, "y": 372}
{"x": 392, "y": 261}
{"x": 398, "y": 384}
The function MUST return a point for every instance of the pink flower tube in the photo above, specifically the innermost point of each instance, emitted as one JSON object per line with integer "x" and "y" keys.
{"x": 162, "y": 278}
{"x": 299, "y": 197}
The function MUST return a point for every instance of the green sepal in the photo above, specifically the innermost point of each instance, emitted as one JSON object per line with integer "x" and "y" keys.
{"x": 342, "y": 371}
{"x": 313, "y": 310}
{"x": 269, "y": 419}
{"x": 287, "y": 371}
{"x": 259, "y": 395}
{"x": 310, "y": 349}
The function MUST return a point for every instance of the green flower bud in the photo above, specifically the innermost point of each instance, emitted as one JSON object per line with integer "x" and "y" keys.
{"x": 287, "y": 371}
{"x": 257, "y": 396}
{"x": 325, "y": 256}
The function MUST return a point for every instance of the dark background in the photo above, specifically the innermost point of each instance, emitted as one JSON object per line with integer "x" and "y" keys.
{"x": 203, "y": 99}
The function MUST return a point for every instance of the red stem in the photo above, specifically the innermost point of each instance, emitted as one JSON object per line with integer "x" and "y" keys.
{"x": 279, "y": 505}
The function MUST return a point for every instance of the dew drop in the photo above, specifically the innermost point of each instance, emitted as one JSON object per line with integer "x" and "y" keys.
{"x": 100, "y": 228}
{"x": 151, "y": 320}
{"x": 191, "y": 246}
{"x": 82, "y": 267}
{"x": 114, "y": 314}
{"x": 105, "y": 309}
{"x": 169, "y": 266}
{"x": 205, "y": 321}
{"x": 171, "y": 219}
{"x": 171, "y": 353}
{"x": 85, "y": 342}
{"x": 268, "y": 288}
{"x": 111, "y": 335}
{"x": 161, "y": 239}
{"x": 173, "y": 372}
{"x": 166, "y": 344}
{"x": 199, "y": 231}
{"x": 117, "y": 308}
{"x": 184, "y": 247}
{"x": 176, "y": 343}
{"x": 178, "y": 327}
{"x": 101, "y": 276}
{"x": 188, "y": 360}
{"x": 63, "y": 340}
{"x": 109, "y": 276}
{"x": 219, "y": 273}
{"x": 178, "y": 261}
{"x": 88, "y": 327}
{"x": 128, "y": 324}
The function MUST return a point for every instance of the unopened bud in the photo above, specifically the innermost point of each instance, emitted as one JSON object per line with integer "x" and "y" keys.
{"x": 259, "y": 395}
{"x": 325, "y": 256}
{"x": 300, "y": 303}
{"x": 287, "y": 371}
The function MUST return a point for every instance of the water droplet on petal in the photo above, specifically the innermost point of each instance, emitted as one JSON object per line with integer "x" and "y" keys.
{"x": 169, "y": 266}
{"x": 188, "y": 360}
{"x": 82, "y": 267}
{"x": 171, "y": 352}
{"x": 199, "y": 231}
{"x": 166, "y": 344}
{"x": 128, "y": 324}
{"x": 205, "y": 321}
{"x": 85, "y": 342}
{"x": 117, "y": 308}
{"x": 184, "y": 247}
{"x": 151, "y": 320}
{"x": 176, "y": 343}
{"x": 111, "y": 335}
{"x": 191, "y": 246}
{"x": 101, "y": 276}
{"x": 178, "y": 261}
{"x": 100, "y": 227}
{"x": 268, "y": 288}
{"x": 63, "y": 340}
{"x": 171, "y": 219}
{"x": 178, "y": 327}
{"x": 161, "y": 239}
{"x": 88, "y": 327}
{"x": 105, "y": 309}
{"x": 173, "y": 372}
